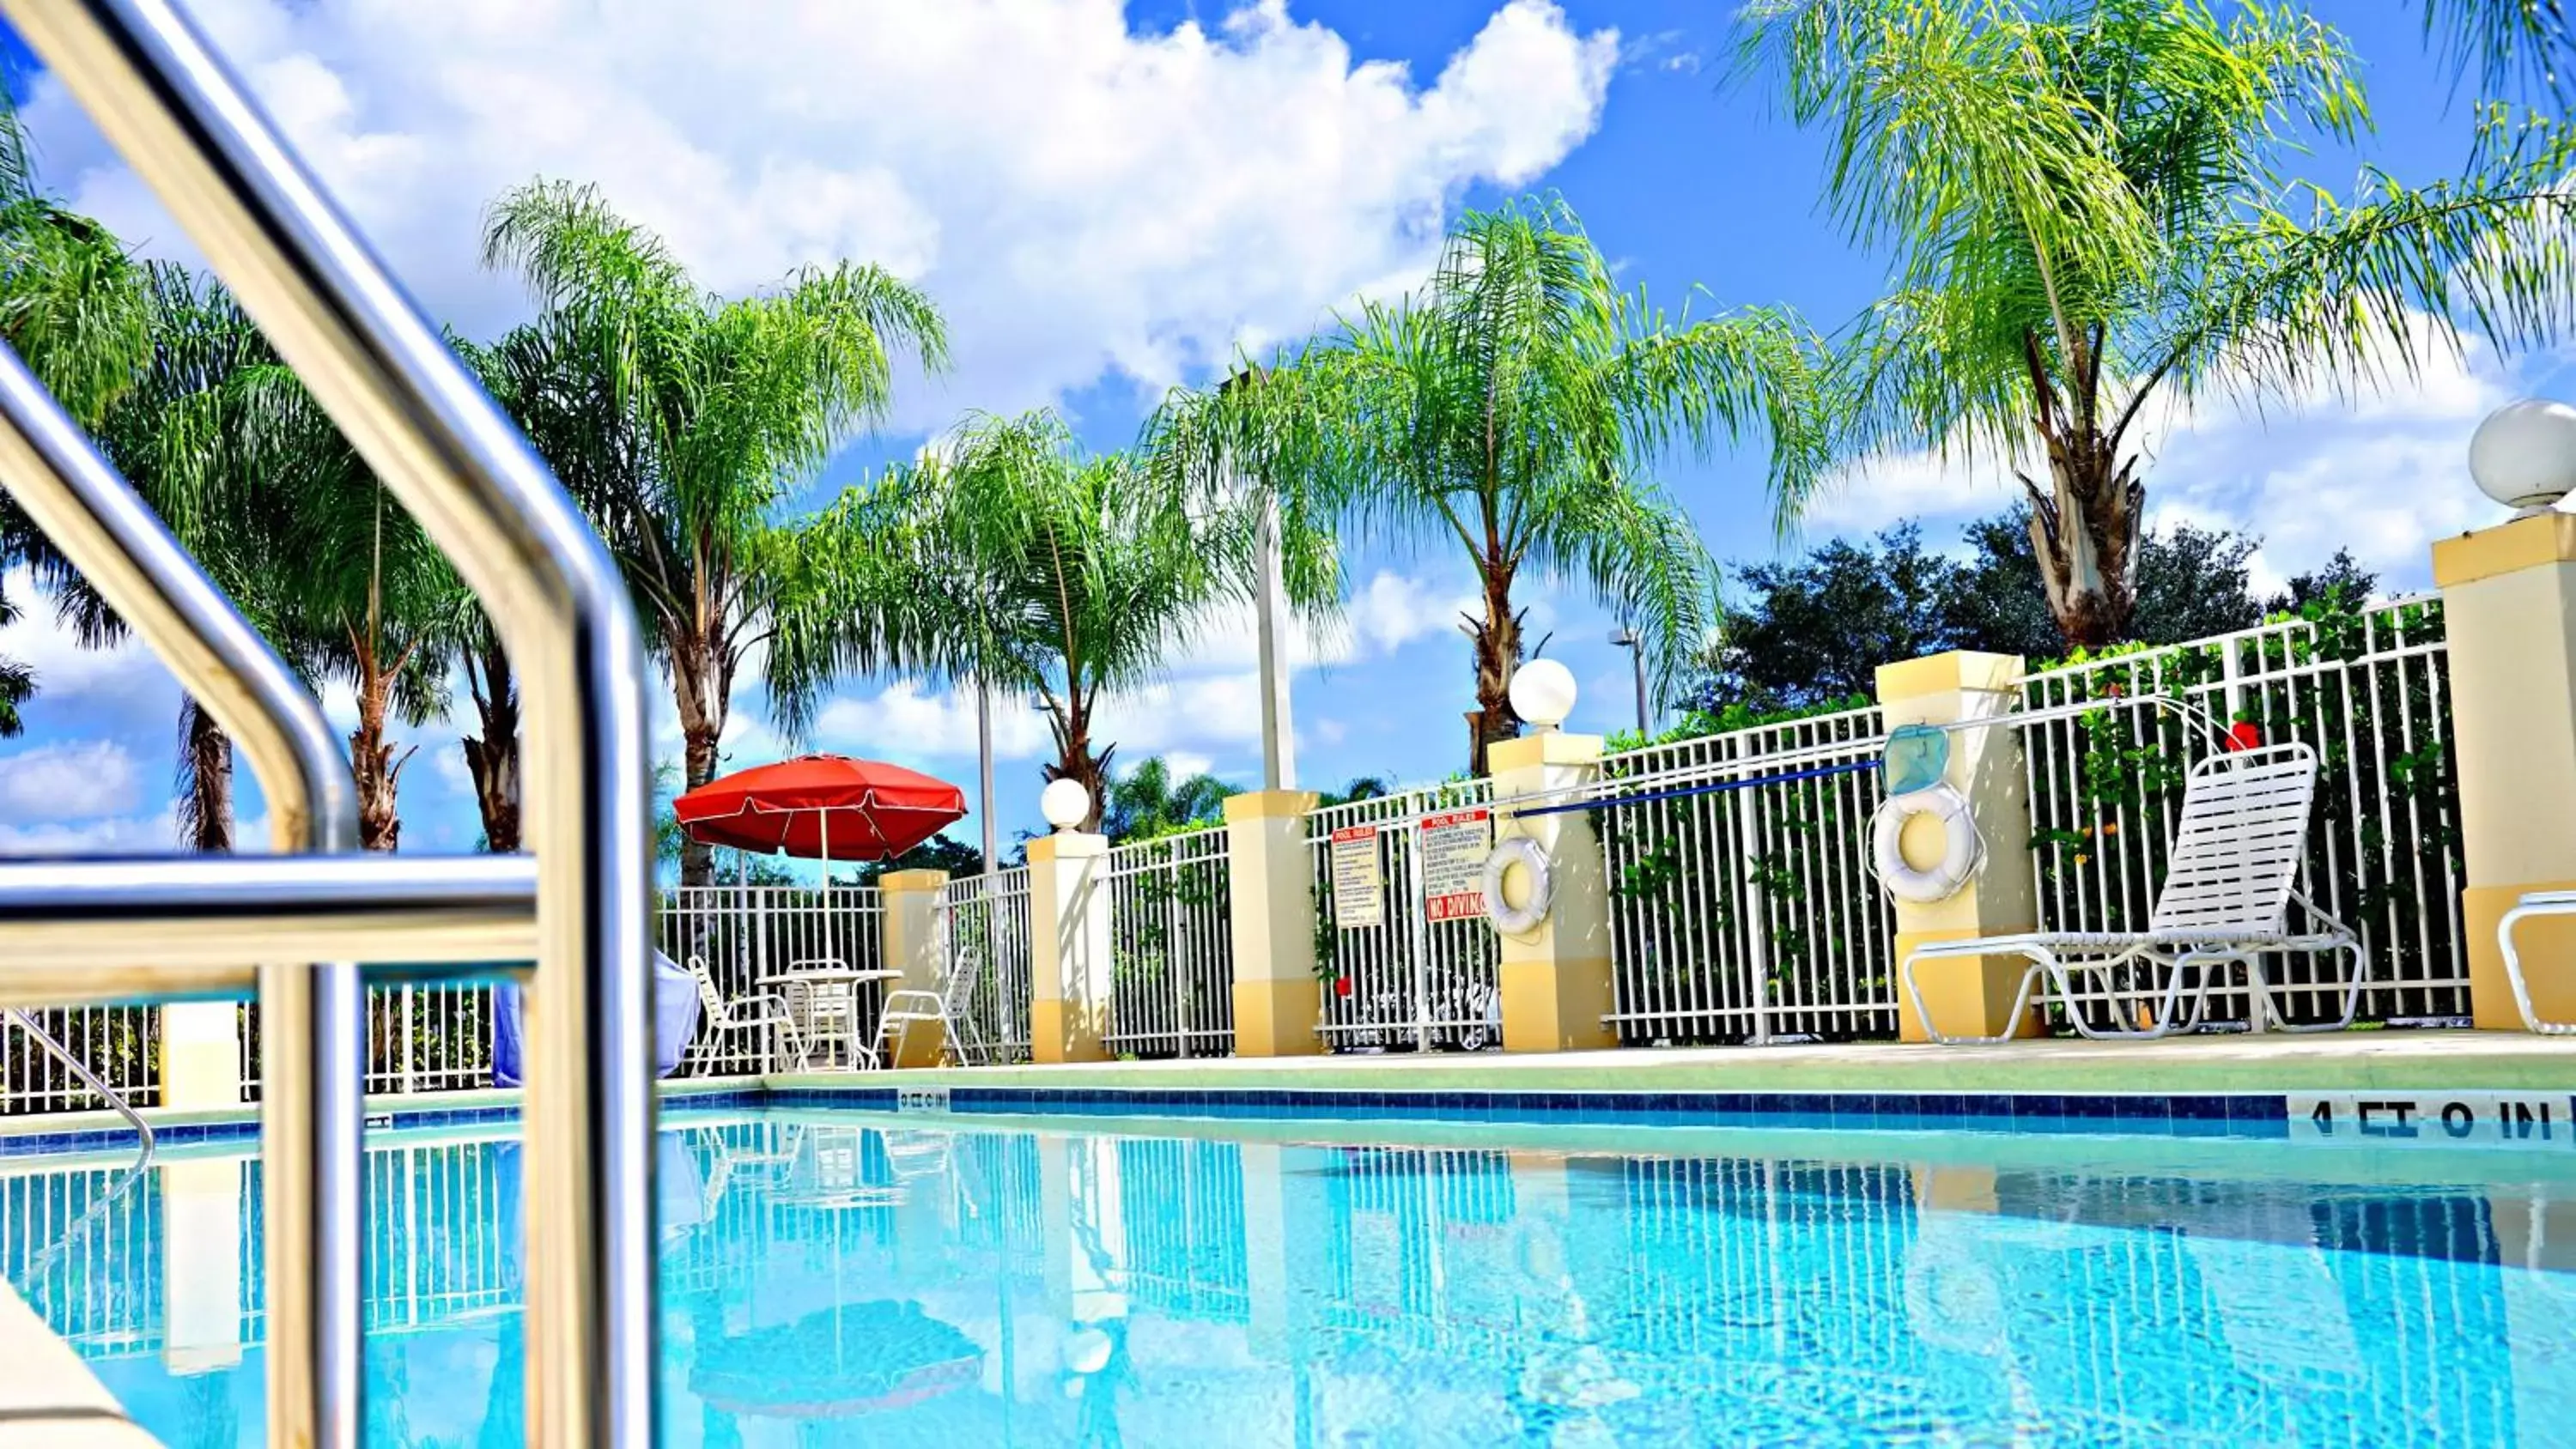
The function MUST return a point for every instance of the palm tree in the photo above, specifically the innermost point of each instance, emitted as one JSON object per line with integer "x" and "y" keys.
{"x": 1515, "y": 409}
{"x": 1010, "y": 560}
{"x": 714, "y": 410}
{"x": 17, "y": 681}
{"x": 1147, "y": 802}
{"x": 568, "y": 412}
{"x": 73, "y": 305}
{"x": 2505, "y": 40}
{"x": 2081, "y": 202}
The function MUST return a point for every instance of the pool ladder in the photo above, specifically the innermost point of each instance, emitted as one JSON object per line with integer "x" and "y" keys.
{"x": 303, "y": 928}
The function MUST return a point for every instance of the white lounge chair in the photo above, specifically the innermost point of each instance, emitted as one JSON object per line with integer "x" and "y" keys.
{"x": 2534, "y": 903}
{"x": 950, "y": 1006}
{"x": 760, "y": 1011}
{"x": 2226, "y": 898}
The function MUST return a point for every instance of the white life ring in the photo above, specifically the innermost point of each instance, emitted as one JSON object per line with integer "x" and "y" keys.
{"x": 1962, "y": 850}
{"x": 1501, "y": 914}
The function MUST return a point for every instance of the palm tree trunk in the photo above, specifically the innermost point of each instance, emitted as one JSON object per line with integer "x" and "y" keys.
{"x": 1496, "y": 639}
{"x": 1074, "y": 760}
{"x": 205, "y": 783}
{"x": 2084, "y": 530}
{"x": 492, "y": 759}
{"x": 378, "y": 773}
{"x": 372, "y": 762}
{"x": 702, "y": 706}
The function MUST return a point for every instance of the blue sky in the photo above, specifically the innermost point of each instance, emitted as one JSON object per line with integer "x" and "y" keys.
{"x": 1106, "y": 200}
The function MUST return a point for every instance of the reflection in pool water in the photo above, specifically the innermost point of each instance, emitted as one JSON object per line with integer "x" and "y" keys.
{"x": 841, "y": 1279}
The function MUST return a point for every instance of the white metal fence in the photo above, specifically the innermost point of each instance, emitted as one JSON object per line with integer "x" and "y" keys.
{"x": 1171, "y": 937}
{"x": 2371, "y": 694}
{"x": 1748, "y": 915}
{"x": 1405, "y": 983}
{"x": 749, "y": 934}
{"x": 988, "y": 932}
{"x": 122, "y": 1044}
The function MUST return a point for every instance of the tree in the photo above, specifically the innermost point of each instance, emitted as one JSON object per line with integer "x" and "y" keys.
{"x": 1010, "y": 560}
{"x": 715, "y": 410}
{"x": 1515, "y": 408}
{"x": 1354, "y": 790}
{"x": 2191, "y": 583}
{"x": 74, "y": 307}
{"x": 1812, "y": 631}
{"x": 1817, "y": 628}
{"x": 2531, "y": 41}
{"x": 2083, "y": 207}
{"x": 1147, "y": 801}
{"x": 17, "y": 681}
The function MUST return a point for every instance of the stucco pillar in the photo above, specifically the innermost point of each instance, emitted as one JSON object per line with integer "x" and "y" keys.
{"x": 201, "y": 1054}
{"x": 1069, "y": 947}
{"x": 1555, "y": 980}
{"x": 1277, "y": 999}
{"x": 1968, "y": 996}
{"x": 2509, "y": 605}
{"x": 915, "y": 946}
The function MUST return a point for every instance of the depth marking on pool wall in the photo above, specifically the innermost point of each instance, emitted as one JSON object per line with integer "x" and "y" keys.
{"x": 2510, "y": 1119}
{"x": 921, "y": 1099}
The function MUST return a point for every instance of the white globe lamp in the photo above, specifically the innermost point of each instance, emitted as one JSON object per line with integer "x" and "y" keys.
{"x": 1064, "y": 803}
{"x": 1543, "y": 693}
{"x": 2524, "y": 455}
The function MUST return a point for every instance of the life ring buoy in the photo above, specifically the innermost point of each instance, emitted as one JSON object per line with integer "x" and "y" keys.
{"x": 1501, "y": 914}
{"x": 1962, "y": 850}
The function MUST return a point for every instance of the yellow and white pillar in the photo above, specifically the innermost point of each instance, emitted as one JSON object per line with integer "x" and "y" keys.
{"x": 915, "y": 946}
{"x": 2509, "y": 606}
{"x": 201, "y": 1062}
{"x": 1964, "y": 995}
{"x": 1277, "y": 1000}
{"x": 1556, "y": 980}
{"x": 1069, "y": 957}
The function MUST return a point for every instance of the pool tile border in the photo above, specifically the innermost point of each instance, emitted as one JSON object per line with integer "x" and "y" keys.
{"x": 2248, "y": 1114}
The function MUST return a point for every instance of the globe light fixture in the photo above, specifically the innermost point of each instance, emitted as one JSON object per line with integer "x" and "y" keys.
{"x": 1543, "y": 693}
{"x": 2524, "y": 455}
{"x": 1064, "y": 803}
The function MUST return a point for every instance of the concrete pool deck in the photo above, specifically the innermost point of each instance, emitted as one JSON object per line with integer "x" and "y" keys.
{"x": 2433, "y": 1060}
{"x": 48, "y": 1398}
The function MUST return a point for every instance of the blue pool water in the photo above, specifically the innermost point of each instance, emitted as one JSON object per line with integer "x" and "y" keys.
{"x": 846, "y": 1278}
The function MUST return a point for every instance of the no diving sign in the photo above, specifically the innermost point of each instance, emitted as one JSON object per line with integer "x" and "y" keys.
{"x": 2510, "y": 1119}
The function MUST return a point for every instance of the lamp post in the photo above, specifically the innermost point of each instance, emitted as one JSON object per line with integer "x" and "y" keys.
{"x": 2524, "y": 455}
{"x": 1627, "y": 639}
{"x": 984, "y": 772}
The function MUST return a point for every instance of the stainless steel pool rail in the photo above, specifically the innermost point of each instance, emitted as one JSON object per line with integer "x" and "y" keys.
{"x": 153, "y": 86}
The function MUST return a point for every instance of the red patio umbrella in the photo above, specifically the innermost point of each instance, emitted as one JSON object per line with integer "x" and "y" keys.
{"x": 821, "y": 807}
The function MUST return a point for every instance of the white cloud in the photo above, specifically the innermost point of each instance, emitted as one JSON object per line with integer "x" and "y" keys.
{"x": 904, "y": 721}
{"x": 1080, "y": 197}
{"x": 118, "y": 835}
{"x": 126, "y": 673}
{"x": 69, "y": 780}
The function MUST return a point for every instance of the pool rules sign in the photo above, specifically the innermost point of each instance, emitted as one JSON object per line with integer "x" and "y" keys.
{"x": 1359, "y": 886}
{"x": 1454, "y": 847}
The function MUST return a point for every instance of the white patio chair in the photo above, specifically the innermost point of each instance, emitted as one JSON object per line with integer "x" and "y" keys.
{"x": 2533, "y": 903}
{"x": 950, "y": 1006}
{"x": 2226, "y": 898}
{"x": 756, "y": 1012}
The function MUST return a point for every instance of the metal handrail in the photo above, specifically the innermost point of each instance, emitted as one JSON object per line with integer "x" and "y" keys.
{"x": 156, "y": 90}
{"x": 312, "y": 1017}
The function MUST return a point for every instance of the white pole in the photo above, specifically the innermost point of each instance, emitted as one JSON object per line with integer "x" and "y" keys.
{"x": 984, "y": 771}
{"x": 1278, "y": 736}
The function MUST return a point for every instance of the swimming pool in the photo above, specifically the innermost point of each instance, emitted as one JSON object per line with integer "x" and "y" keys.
{"x": 844, "y": 1278}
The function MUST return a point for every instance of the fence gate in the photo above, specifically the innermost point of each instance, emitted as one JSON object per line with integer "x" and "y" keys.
{"x": 985, "y": 921}
{"x": 1402, "y": 981}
